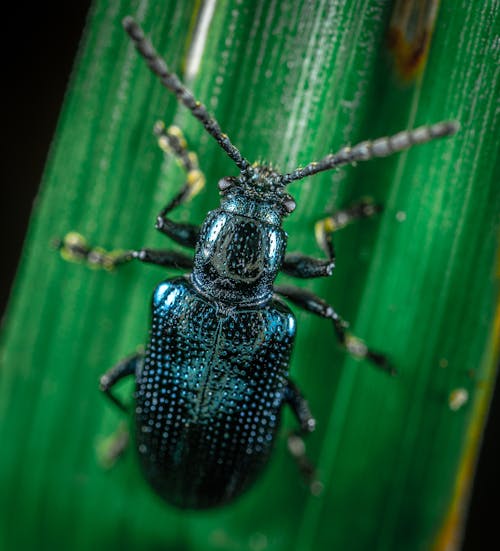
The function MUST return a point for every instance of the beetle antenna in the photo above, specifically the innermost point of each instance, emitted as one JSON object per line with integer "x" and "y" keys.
{"x": 172, "y": 82}
{"x": 381, "y": 147}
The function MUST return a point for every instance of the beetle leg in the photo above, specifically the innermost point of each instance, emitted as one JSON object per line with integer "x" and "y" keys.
{"x": 306, "y": 267}
{"x": 167, "y": 259}
{"x": 172, "y": 141}
{"x": 296, "y": 445}
{"x": 110, "y": 449}
{"x": 300, "y": 408}
{"x": 365, "y": 208}
{"x": 74, "y": 248}
{"x": 113, "y": 447}
{"x": 312, "y": 303}
{"x": 128, "y": 366}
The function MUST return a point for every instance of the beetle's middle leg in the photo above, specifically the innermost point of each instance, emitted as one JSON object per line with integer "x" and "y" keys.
{"x": 296, "y": 445}
{"x": 306, "y": 267}
{"x": 172, "y": 141}
{"x": 312, "y": 303}
{"x": 75, "y": 248}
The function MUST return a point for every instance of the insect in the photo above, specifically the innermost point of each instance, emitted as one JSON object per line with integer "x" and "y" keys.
{"x": 213, "y": 380}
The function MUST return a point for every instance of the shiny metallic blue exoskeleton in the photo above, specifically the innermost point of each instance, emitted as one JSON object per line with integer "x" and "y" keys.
{"x": 215, "y": 374}
{"x": 210, "y": 394}
{"x": 213, "y": 380}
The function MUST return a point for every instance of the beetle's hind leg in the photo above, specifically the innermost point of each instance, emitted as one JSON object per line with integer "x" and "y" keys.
{"x": 129, "y": 366}
{"x": 296, "y": 445}
{"x": 75, "y": 248}
{"x": 307, "y": 267}
{"x": 111, "y": 448}
{"x": 114, "y": 446}
{"x": 172, "y": 141}
{"x": 354, "y": 345}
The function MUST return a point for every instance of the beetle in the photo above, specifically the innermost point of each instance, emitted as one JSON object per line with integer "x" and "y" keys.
{"x": 213, "y": 379}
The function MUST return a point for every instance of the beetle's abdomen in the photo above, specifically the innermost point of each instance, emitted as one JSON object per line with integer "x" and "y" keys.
{"x": 209, "y": 397}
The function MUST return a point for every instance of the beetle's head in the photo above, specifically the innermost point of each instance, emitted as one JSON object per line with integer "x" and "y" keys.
{"x": 259, "y": 184}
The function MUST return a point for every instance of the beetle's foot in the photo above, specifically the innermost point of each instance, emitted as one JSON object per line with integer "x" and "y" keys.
{"x": 111, "y": 448}
{"x": 358, "y": 349}
{"x": 365, "y": 208}
{"x": 297, "y": 449}
{"x": 75, "y": 248}
{"x": 172, "y": 141}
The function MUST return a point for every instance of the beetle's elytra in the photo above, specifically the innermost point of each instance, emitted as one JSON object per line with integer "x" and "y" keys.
{"x": 212, "y": 382}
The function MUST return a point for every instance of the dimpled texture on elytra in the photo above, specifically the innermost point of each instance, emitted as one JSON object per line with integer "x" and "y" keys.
{"x": 212, "y": 387}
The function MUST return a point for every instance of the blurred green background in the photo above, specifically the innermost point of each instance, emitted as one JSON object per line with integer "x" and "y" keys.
{"x": 288, "y": 85}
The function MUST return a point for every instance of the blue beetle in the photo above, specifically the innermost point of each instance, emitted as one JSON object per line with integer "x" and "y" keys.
{"x": 213, "y": 380}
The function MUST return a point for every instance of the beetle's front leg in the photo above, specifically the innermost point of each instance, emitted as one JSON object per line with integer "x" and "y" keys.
{"x": 307, "y": 267}
{"x": 296, "y": 445}
{"x": 74, "y": 248}
{"x": 312, "y": 303}
{"x": 172, "y": 141}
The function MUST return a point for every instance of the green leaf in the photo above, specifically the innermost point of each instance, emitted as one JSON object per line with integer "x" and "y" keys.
{"x": 289, "y": 82}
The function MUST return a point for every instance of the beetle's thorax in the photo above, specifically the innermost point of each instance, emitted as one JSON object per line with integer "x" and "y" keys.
{"x": 241, "y": 245}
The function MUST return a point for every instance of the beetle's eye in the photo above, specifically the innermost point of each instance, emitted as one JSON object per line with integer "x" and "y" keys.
{"x": 225, "y": 184}
{"x": 289, "y": 204}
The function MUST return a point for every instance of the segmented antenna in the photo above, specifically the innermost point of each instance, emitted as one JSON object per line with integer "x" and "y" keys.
{"x": 381, "y": 147}
{"x": 172, "y": 82}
